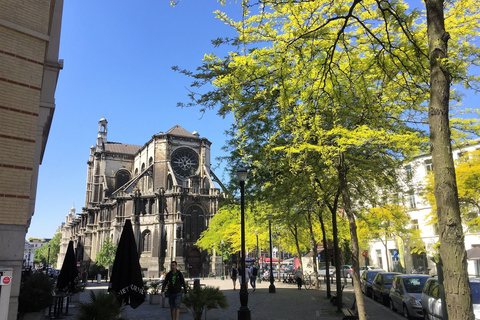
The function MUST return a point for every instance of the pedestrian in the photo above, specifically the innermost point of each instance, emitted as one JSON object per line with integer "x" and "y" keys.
{"x": 253, "y": 276}
{"x": 298, "y": 277}
{"x": 84, "y": 276}
{"x": 174, "y": 281}
{"x": 239, "y": 270}
{"x": 234, "y": 276}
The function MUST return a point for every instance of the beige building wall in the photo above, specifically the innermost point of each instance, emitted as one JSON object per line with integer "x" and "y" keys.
{"x": 29, "y": 67}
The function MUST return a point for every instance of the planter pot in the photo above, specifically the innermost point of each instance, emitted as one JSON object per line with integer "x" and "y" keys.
{"x": 75, "y": 297}
{"x": 39, "y": 315}
{"x": 154, "y": 299}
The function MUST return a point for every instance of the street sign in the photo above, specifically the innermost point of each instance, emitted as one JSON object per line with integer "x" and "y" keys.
{"x": 5, "y": 280}
{"x": 319, "y": 256}
{"x": 395, "y": 254}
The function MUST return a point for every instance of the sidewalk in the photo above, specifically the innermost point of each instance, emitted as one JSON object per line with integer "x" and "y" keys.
{"x": 287, "y": 303}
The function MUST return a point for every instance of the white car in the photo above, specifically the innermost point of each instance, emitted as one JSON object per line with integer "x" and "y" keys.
{"x": 322, "y": 272}
{"x": 364, "y": 268}
{"x": 431, "y": 302}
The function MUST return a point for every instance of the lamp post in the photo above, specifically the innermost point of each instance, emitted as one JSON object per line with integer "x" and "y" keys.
{"x": 271, "y": 288}
{"x": 48, "y": 257}
{"x": 223, "y": 267}
{"x": 258, "y": 261}
{"x": 244, "y": 311}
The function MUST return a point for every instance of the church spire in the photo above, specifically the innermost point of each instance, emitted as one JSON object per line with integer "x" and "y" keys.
{"x": 102, "y": 134}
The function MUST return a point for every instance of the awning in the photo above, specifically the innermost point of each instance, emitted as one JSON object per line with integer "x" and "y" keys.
{"x": 473, "y": 254}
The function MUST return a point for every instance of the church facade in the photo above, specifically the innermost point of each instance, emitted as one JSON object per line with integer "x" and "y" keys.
{"x": 165, "y": 187}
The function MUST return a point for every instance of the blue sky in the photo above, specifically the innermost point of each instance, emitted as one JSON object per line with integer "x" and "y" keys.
{"x": 117, "y": 64}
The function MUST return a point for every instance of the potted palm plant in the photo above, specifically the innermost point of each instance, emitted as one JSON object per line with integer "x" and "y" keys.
{"x": 103, "y": 306}
{"x": 35, "y": 296}
{"x": 154, "y": 296}
{"x": 200, "y": 300}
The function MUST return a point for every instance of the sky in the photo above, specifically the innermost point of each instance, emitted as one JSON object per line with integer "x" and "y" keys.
{"x": 117, "y": 64}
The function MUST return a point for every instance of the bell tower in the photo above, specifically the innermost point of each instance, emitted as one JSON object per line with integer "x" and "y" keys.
{"x": 102, "y": 134}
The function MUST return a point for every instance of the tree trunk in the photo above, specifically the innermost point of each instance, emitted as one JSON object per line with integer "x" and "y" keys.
{"x": 294, "y": 231}
{"x": 342, "y": 177}
{"x": 313, "y": 243}
{"x": 325, "y": 249}
{"x": 452, "y": 246}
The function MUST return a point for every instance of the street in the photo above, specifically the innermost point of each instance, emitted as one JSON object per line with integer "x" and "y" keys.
{"x": 286, "y": 303}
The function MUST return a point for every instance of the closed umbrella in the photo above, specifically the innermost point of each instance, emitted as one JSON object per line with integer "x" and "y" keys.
{"x": 126, "y": 279}
{"x": 68, "y": 277}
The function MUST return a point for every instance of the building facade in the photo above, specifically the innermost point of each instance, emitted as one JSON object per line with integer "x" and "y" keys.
{"x": 165, "y": 187}
{"x": 29, "y": 45}
{"x": 398, "y": 250}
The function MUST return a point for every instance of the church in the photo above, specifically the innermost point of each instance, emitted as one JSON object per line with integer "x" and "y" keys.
{"x": 165, "y": 187}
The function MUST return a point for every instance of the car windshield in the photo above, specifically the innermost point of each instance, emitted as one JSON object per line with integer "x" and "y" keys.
{"x": 371, "y": 275}
{"x": 414, "y": 285}
{"x": 388, "y": 278}
{"x": 475, "y": 288}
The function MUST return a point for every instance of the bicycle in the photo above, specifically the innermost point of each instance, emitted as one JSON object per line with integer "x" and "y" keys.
{"x": 307, "y": 281}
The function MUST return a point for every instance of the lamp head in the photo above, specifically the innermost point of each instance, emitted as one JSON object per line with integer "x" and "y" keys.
{"x": 242, "y": 174}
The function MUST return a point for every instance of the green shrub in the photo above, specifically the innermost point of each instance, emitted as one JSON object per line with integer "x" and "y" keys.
{"x": 35, "y": 293}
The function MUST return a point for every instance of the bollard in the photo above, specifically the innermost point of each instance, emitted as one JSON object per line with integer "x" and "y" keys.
{"x": 196, "y": 283}
{"x": 99, "y": 278}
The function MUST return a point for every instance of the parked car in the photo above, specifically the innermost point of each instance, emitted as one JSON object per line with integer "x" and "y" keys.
{"x": 431, "y": 302}
{"x": 381, "y": 286}
{"x": 346, "y": 271}
{"x": 366, "y": 281}
{"x": 406, "y": 293}
{"x": 322, "y": 271}
{"x": 365, "y": 268}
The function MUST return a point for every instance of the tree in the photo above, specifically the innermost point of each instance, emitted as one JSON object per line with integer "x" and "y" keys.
{"x": 350, "y": 80}
{"x": 467, "y": 172}
{"x": 106, "y": 255}
{"x": 385, "y": 223}
{"x": 41, "y": 255}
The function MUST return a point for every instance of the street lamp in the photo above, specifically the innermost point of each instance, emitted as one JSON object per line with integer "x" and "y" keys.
{"x": 244, "y": 311}
{"x": 258, "y": 261}
{"x": 48, "y": 257}
{"x": 223, "y": 267}
{"x": 271, "y": 288}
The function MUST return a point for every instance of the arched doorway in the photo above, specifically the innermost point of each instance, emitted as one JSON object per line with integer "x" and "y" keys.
{"x": 194, "y": 263}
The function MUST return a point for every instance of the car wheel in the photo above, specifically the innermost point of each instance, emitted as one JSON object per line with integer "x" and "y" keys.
{"x": 405, "y": 312}
{"x": 392, "y": 306}
{"x": 425, "y": 315}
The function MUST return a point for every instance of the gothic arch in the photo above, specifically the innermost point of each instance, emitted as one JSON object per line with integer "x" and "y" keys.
{"x": 146, "y": 241}
{"x": 195, "y": 223}
{"x": 121, "y": 177}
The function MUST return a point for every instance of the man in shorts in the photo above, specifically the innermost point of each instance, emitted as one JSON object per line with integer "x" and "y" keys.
{"x": 174, "y": 282}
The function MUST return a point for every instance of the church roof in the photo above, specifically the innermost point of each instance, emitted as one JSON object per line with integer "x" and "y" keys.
{"x": 179, "y": 131}
{"x": 123, "y": 148}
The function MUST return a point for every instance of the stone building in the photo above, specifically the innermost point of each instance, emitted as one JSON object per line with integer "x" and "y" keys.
{"x": 165, "y": 187}
{"x": 29, "y": 70}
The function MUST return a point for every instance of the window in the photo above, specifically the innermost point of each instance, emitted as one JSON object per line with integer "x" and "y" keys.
{"x": 408, "y": 170}
{"x": 415, "y": 224}
{"x": 429, "y": 165}
{"x": 411, "y": 199}
{"x": 121, "y": 178}
{"x": 146, "y": 241}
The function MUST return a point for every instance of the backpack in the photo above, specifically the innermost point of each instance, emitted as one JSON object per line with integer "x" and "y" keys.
{"x": 254, "y": 271}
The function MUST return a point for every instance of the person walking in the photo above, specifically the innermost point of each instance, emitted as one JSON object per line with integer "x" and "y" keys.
{"x": 299, "y": 277}
{"x": 174, "y": 282}
{"x": 253, "y": 276}
{"x": 234, "y": 276}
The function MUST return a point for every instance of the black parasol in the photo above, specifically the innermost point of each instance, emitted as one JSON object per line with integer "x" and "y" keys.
{"x": 68, "y": 277}
{"x": 126, "y": 279}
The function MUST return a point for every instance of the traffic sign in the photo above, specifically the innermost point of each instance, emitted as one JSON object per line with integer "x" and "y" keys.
{"x": 5, "y": 280}
{"x": 395, "y": 254}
